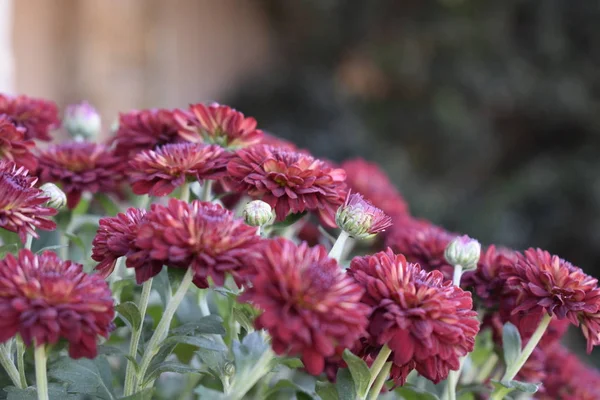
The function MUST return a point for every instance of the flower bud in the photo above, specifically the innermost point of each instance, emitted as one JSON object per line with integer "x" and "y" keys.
{"x": 258, "y": 213}
{"x": 82, "y": 121}
{"x": 229, "y": 369}
{"x": 58, "y": 199}
{"x": 360, "y": 219}
{"x": 463, "y": 251}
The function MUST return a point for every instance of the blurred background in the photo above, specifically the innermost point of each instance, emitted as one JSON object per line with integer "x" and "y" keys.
{"x": 485, "y": 113}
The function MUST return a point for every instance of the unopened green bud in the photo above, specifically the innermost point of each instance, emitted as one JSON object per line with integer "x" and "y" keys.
{"x": 463, "y": 251}
{"x": 258, "y": 213}
{"x": 82, "y": 121}
{"x": 360, "y": 219}
{"x": 57, "y": 198}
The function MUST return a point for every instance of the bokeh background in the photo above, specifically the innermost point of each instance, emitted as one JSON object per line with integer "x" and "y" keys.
{"x": 485, "y": 113}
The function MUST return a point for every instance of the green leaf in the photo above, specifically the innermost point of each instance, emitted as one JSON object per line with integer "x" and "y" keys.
{"x": 204, "y": 342}
{"x": 55, "y": 391}
{"x": 169, "y": 366}
{"x": 77, "y": 241}
{"x": 345, "y": 385}
{"x": 484, "y": 346}
{"x": 162, "y": 285}
{"x": 511, "y": 343}
{"x": 11, "y": 248}
{"x": 326, "y": 391}
{"x": 145, "y": 394}
{"x": 118, "y": 286}
{"x": 413, "y": 393}
{"x": 287, "y": 385}
{"x": 211, "y": 324}
{"x": 206, "y": 393}
{"x": 110, "y": 351}
{"x": 289, "y": 220}
{"x": 249, "y": 351}
{"x": 520, "y": 386}
{"x": 130, "y": 312}
{"x": 108, "y": 204}
{"x": 244, "y": 316}
{"x": 290, "y": 362}
{"x": 84, "y": 376}
{"x": 360, "y": 372}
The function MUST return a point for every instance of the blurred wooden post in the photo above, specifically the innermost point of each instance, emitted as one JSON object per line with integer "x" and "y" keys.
{"x": 7, "y": 62}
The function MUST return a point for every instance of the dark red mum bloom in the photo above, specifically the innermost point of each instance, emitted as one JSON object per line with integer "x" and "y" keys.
{"x": 199, "y": 235}
{"x": 116, "y": 238}
{"x": 158, "y": 172}
{"x": 423, "y": 318}
{"x": 144, "y": 130}
{"x": 36, "y": 116}
{"x": 421, "y": 242}
{"x": 14, "y": 147}
{"x": 22, "y": 207}
{"x": 217, "y": 124}
{"x": 310, "y": 304}
{"x": 44, "y": 299}
{"x": 567, "y": 378}
{"x": 79, "y": 167}
{"x": 367, "y": 178}
{"x": 545, "y": 283}
{"x": 290, "y": 182}
{"x": 486, "y": 281}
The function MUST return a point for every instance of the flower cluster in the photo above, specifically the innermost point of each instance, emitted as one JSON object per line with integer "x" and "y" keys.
{"x": 37, "y": 117}
{"x": 14, "y": 146}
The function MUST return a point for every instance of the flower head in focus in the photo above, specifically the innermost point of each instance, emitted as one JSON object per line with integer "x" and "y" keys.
{"x": 56, "y": 198}
{"x": 199, "y": 235}
{"x": 44, "y": 299}
{"x": 310, "y": 305}
{"x": 159, "y": 172}
{"x": 82, "y": 121}
{"x": 421, "y": 242}
{"x": 217, "y": 124}
{"x": 258, "y": 213}
{"x": 289, "y": 182}
{"x": 116, "y": 238}
{"x": 367, "y": 178}
{"x": 13, "y": 145}
{"x": 426, "y": 321}
{"x": 360, "y": 219}
{"x": 36, "y": 116}
{"x": 144, "y": 130}
{"x": 22, "y": 208}
{"x": 545, "y": 283}
{"x": 79, "y": 167}
{"x": 463, "y": 251}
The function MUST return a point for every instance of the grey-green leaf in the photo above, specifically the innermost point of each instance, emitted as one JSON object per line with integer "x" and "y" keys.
{"x": 76, "y": 240}
{"x": 345, "y": 385}
{"x": 413, "y": 393}
{"x": 145, "y": 394}
{"x": 55, "y": 391}
{"x": 169, "y": 366}
{"x": 84, "y": 376}
{"x": 360, "y": 372}
{"x": 326, "y": 391}
{"x": 204, "y": 342}
{"x": 521, "y": 386}
{"x": 511, "y": 343}
{"x": 130, "y": 312}
{"x": 206, "y": 393}
{"x": 211, "y": 324}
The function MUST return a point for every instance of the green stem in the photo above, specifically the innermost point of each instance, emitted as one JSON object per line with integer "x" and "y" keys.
{"x": 144, "y": 201}
{"x": 378, "y": 365}
{"x": 202, "y": 302}
{"x": 206, "y": 194}
{"x": 130, "y": 378}
{"x": 487, "y": 368}
{"x": 513, "y": 370}
{"x": 185, "y": 192}
{"x": 163, "y": 327}
{"x": 458, "y": 270}
{"x": 453, "y": 375}
{"x": 9, "y": 367}
{"x": 21, "y": 361}
{"x": 338, "y": 247}
{"x": 383, "y": 376}
{"x": 41, "y": 380}
{"x": 29, "y": 242}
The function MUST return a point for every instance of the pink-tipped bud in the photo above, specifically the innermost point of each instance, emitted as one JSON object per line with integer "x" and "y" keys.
{"x": 463, "y": 251}
{"x": 82, "y": 121}
{"x": 360, "y": 219}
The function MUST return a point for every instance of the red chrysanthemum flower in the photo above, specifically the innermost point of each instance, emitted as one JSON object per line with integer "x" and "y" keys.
{"x": 217, "y": 124}
{"x": 290, "y": 182}
{"x": 310, "y": 305}
{"x": 360, "y": 219}
{"x": 22, "y": 207}
{"x": 144, "y": 130}
{"x": 421, "y": 242}
{"x": 36, "y": 116}
{"x": 79, "y": 167}
{"x": 116, "y": 238}
{"x": 567, "y": 378}
{"x": 44, "y": 299}
{"x": 486, "y": 281}
{"x": 545, "y": 283}
{"x": 426, "y": 321}
{"x": 199, "y": 235}
{"x": 158, "y": 172}
{"x": 14, "y": 147}
{"x": 367, "y": 178}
